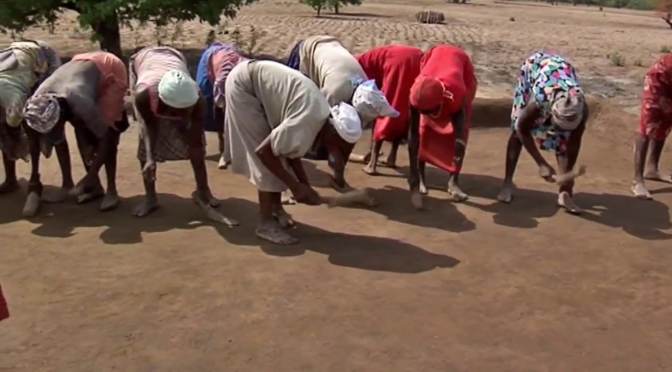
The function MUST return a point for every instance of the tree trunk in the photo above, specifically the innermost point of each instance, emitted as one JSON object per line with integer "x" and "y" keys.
{"x": 318, "y": 11}
{"x": 336, "y": 4}
{"x": 110, "y": 37}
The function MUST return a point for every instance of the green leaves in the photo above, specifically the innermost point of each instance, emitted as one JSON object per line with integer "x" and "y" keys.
{"x": 17, "y": 15}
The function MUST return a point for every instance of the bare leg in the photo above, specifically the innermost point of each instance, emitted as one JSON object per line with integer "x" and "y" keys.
{"x": 10, "y": 184}
{"x": 652, "y": 167}
{"x": 150, "y": 203}
{"x": 284, "y": 219}
{"x": 421, "y": 171}
{"x": 370, "y": 168}
{"x": 391, "y": 161}
{"x": 32, "y": 204}
{"x": 454, "y": 188}
{"x": 63, "y": 155}
{"x": 219, "y": 118}
{"x": 513, "y": 149}
{"x": 414, "y": 179}
{"x": 269, "y": 228}
{"x": 111, "y": 200}
{"x": 566, "y": 192}
{"x": 88, "y": 154}
{"x": 641, "y": 150}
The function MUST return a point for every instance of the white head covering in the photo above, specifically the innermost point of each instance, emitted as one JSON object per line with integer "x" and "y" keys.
{"x": 567, "y": 111}
{"x": 346, "y": 121}
{"x": 42, "y": 112}
{"x": 178, "y": 90}
{"x": 371, "y": 103}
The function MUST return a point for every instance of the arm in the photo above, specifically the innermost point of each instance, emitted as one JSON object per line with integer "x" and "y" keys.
{"x": 143, "y": 112}
{"x": 414, "y": 148}
{"x": 265, "y": 153}
{"x": 526, "y": 122}
{"x": 194, "y": 138}
{"x": 299, "y": 171}
{"x": 458, "y": 121}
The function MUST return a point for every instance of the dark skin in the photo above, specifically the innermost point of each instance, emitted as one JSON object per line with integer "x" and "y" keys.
{"x": 270, "y": 206}
{"x": 11, "y": 183}
{"x": 647, "y": 169}
{"x": 566, "y": 161}
{"x": 219, "y": 118}
{"x": 416, "y": 180}
{"x": 189, "y": 122}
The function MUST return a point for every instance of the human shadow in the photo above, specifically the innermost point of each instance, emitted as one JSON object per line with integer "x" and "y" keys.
{"x": 176, "y": 212}
{"x": 641, "y": 219}
{"x": 363, "y": 252}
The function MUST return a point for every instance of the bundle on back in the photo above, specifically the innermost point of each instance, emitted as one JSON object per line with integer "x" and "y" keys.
{"x": 428, "y": 16}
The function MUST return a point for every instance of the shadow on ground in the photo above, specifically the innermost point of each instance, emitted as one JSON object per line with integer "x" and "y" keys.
{"x": 120, "y": 228}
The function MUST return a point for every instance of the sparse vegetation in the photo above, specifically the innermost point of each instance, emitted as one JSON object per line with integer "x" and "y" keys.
{"x": 617, "y": 59}
{"x": 428, "y": 16}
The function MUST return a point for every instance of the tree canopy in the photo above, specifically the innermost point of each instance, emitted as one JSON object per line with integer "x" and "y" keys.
{"x": 106, "y": 17}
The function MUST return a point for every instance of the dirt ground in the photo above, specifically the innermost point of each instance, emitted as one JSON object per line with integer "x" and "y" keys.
{"x": 479, "y": 286}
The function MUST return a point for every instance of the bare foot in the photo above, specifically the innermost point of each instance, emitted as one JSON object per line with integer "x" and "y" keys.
{"x": 336, "y": 186}
{"x": 96, "y": 194}
{"x": 640, "y": 191}
{"x": 423, "y": 188}
{"x": 390, "y": 162}
{"x": 271, "y": 231}
{"x": 223, "y": 164}
{"x": 506, "y": 193}
{"x": 9, "y": 186}
{"x": 457, "y": 195}
{"x": 57, "y": 196}
{"x": 655, "y": 175}
{"x": 566, "y": 201}
{"x": 213, "y": 215}
{"x": 370, "y": 169}
{"x": 110, "y": 202}
{"x": 212, "y": 201}
{"x": 284, "y": 219}
{"x": 147, "y": 206}
{"x": 287, "y": 198}
{"x": 32, "y": 205}
{"x": 416, "y": 200}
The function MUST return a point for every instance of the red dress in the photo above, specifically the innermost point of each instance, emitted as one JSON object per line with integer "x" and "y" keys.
{"x": 4, "y": 309}
{"x": 452, "y": 67}
{"x": 655, "y": 120}
{"x": 394, "y": 68}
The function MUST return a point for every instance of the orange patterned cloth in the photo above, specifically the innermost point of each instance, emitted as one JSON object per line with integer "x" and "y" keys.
{"x": 655, "y": 120}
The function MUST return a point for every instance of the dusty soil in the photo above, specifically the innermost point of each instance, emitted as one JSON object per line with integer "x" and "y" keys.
{"x": 478, "y": 286}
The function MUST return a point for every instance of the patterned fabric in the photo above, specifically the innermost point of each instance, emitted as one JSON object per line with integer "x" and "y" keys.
{"x": 52, "y": 57}
{"x": 170, "y": 144}
{"x": 294, "y": 60}
{"x": 221, "y": 64}
{"x": 544, "y": 77}
{"x": 655, "y": 120}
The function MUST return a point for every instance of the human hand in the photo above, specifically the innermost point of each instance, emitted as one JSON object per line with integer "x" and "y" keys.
{"x": 547, "y": 172}
{"x": 305, "y": 194}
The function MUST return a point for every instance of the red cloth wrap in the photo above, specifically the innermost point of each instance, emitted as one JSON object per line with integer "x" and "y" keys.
{"x": 452, "y": 67}
{"x": 394, "y": 68}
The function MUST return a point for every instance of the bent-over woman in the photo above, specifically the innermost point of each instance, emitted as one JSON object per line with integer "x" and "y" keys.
{"x": 394, "y": 68}
{"x": 89, "y": 93}
{"x": 171, "y": 111}
{"x": 441, "y": 100}
{"x": 213, "y": 69}
{"x": 23, "y": 66}
{"x": 655, "y": 124}
{"x": 549, "y": 113}
{"x": 274, "y": 116}
{"x": 341, "y": 79}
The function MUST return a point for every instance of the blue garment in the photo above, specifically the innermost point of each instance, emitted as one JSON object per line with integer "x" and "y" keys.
{"x": 204, "y": 84}
{"x": 294, "y": 59}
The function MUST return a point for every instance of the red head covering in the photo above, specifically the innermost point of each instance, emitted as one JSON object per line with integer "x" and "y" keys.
{"x": 428, "y": 93}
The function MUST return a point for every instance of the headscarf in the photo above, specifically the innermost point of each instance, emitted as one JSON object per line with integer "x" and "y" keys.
{"x": 371, "y": 103}
{"x": 429, "y": 93}
{"x": 42, "y": 112}
{"x": 567, "y": 110}
{"x": 346, "y": 121}
{"x": 178, "y": 90}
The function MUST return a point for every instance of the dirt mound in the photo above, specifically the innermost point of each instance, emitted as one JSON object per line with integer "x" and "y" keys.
{"x": 603, "y": 116}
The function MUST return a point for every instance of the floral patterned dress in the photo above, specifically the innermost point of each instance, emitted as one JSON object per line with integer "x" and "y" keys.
{"x": 541, "y": 78}
{"x": 655, "y": 120}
